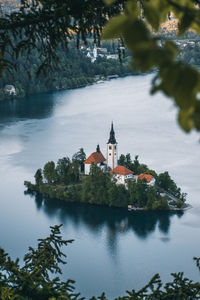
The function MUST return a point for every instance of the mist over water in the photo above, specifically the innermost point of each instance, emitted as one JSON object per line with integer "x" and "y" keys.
{"x": 114, "y": 250}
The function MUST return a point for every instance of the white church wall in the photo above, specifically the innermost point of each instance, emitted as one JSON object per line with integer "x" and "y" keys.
{"x": 87, "y": 169}
{"x": 112, "y": 155}
{"x": 120, "y": 179}
{"x": 152, "y": 182}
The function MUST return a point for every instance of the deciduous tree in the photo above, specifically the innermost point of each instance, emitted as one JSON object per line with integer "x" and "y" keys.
{"x": 49, "y": 172}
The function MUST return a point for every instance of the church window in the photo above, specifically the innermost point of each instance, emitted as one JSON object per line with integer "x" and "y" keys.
{"x": 109, "y": 153}
{"x": 115, "y": 147}
{"x": 110, "y": 147}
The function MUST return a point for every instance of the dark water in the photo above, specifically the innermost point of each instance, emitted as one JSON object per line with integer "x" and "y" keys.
{"x": 114, "y": 250}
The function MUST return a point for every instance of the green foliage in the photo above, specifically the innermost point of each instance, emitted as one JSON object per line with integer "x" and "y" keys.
{"x": 45, "y": 25}
{"x": 49, "y": 172}
{"x": 99, "y": 188}
{"x": 176, "y": 80}
{"x": 180, "y": 288}
{"x": 141, "y": 191}
{"x": 30, "y": 186}
{"x": 151, "y": 196}
{"x": 48, "y": 25}
{"x": 145, "y": 196}
{"x": 38, "y": 177}
{"x": 160, "y": 204}
{"x": 34, "y": 279}
{"x": 135, "y": 165}
{"x": 80, "y": 157}
{"x": 74, "y": 70}
{"x": 164, "y": 181}
{"x": 179, "y": 203}
{"x": 66, "y": 181}
{"x": 63, "y": 169}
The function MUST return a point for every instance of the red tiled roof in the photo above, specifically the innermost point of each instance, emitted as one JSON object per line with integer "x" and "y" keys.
{"x": 148, "y": 177}
{"x": 95, "y": 157}
{"x": 121, "y": 170}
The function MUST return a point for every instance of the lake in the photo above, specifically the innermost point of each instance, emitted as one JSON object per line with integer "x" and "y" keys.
{"x": 113, "y": 250}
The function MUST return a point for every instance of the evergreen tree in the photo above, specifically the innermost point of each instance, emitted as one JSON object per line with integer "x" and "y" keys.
{"x": 151, "y": 197}
{"x": 122, "y": 160}
{"x": 136, "y": 165}
{"x": 38, "y": 177}
{"x": 49, "y": 172}
{"x": 80, "y": 157}
{"x": 164, "y": 181}
{"x": 34, "y": 279}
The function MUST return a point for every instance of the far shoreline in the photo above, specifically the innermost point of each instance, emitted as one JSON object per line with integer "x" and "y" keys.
{"x": 11, "y": 98}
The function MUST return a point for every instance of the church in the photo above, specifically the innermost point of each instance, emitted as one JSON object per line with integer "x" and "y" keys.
{"x": 110, "y": 163}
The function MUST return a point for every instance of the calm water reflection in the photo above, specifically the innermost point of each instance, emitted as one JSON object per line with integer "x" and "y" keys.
{"x": 116, "y": 220}
{"x": 29, "y": 107}
{"x": 114, "y": 250}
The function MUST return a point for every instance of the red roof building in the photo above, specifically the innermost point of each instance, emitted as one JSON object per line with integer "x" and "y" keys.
{"x": 122, "y": 174}
{"x": 96, "y": 158}
{"x": 121, "y": 170}
{"x": 149, "y": 178}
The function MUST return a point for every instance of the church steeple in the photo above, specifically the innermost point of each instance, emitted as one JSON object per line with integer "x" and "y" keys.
{"x": 112, "y": 139}
{"x": 112, "y": 151}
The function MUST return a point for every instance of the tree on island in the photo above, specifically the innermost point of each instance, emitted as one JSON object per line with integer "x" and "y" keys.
{"x": 80, "y": 157}
{"x": 50, "y": 172}
{"x": 62, "y": 169}
{"x": 135, "y": 165}
{"x": 165, "y": 182}
{"x": 65, "y": 181}
{"x": 38, "y": 177}
{"x": 151, "y": 196}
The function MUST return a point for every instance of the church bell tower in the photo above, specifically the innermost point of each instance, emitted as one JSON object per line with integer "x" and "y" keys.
{"x": 112, "y": 151}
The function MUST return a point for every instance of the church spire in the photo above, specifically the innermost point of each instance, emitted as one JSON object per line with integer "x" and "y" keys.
{"x": 98, "y": 148}
{"x": 112, "y": 139}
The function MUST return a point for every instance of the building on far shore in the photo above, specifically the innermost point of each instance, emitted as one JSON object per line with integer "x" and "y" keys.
{"x": 92, "y": 55}
{"x": 10, "y": 90}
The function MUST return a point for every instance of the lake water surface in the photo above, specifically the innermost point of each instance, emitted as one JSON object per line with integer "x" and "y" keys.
{"x": 114, "y": 250}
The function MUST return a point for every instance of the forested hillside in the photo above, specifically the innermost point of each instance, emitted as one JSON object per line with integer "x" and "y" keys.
{"x": 74, "y": 70}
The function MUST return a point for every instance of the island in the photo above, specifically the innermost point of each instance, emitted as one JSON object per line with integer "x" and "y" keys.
{"x": 115, "y": 182}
